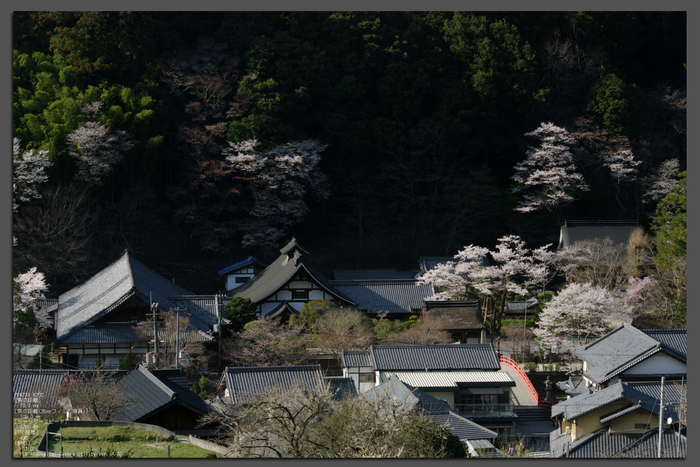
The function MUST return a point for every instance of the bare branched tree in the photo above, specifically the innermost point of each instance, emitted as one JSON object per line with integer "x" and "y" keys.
{"x": 303, "y": 422}
{"x": 96, "y": 394}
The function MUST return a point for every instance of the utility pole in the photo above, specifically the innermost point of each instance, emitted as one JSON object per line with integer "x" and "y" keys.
{"x": 661, "y": 416}
{"x": 177, "y": 338}
{"x": 154, "y": 313}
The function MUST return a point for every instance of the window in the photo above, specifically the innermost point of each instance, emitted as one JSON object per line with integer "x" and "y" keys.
{"x": 366, "y": 377}
{"x": 300, "y": 294}
{"x": 242, "y": 280}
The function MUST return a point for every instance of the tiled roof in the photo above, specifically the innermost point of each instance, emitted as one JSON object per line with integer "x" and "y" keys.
{"x": 393, "y": 296}
{"x": 408, "y": 396}
{"x": 241, "y": 264}
{"x": 289, "y": 264}
{"x": 342, "y": 387}
{"x": 372, "y": 274}
{"x": 453, "y": 380}
{"x": 33, "y": 388}
{"x": 675, "y": 341}
{"x": 456, "y": 315}
{"x": 202, "y": 307}
{"x": 623, "y": 348}
{"x": 104, "y": 334}
{"x": 109, "y": 288}
{"x": 150, "y": 392}
{"x": 602, "y": 444}
{"x": 643, "y": 395}
{"x": 461, "y": 427}
{"x": 243, "y": 383}
{"x": 430, "y": 407}
{"x": 574, "y": 386}
{"x": 435, "y": 357}
{"x": 356, "y": 358}
{"x": 577, "y": 231}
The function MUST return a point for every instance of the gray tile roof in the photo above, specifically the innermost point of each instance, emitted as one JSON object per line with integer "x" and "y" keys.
{"x": 408, "y": 396}
{"x": 394, "y": 296}
{"x": 675, "y": 341}
{"x": 574, "y": 386}
{"x": 356, "y": 358}
{"x": 461, "y": 427}
{"x": 602, "y": 444}
{"x": 456, "y": 315}
{"x": 372, "y": 274}
{"x": 289, "y": 264}
{"x": 150, "y": 392}
{"x": 577, "y": 231}
{"x": 342, "y": 387}
{"x": 244, "y": 383}
{"x": 34, "y": 388}
{"x": 643, "y": 395}
{"x": 435, "y": 357}
{"x": 429, "y": 407}
{"x": 623, "y": 348}
{"x": 109, "y": 288}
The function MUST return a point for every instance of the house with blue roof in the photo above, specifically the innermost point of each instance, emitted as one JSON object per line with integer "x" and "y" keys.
{"x": 241, "y": 272}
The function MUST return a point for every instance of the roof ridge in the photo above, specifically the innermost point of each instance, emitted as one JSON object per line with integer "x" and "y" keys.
{"x": 155, "y": 380}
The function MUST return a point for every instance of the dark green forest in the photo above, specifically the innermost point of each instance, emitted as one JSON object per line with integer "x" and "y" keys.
{"x": 419, "y": 119}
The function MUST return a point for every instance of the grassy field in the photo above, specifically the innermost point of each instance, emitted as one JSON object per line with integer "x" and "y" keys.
{"x": 117, "y": 441}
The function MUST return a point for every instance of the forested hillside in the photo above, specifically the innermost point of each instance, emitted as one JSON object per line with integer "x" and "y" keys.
{"x": 198, "y": 139}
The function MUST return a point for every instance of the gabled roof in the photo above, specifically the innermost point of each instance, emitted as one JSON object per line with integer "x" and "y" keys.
{"x": 34, "y": 388}
{"x": 151, "y": 392}
{"x": 284, "y": 269}
{"x": 435, "y": 357}
{"x": 341, "y": 387}
{"x": 403, "y": 296}
{"x": 250, "y": 260}
{"x": 625, "y": 347}
{"x": 637, "y": 396}
{"x": 521, "y": 305}
{"x": 578, "y": 231}
{"x": 574, "y": 386}
{"x": 356, "y": 358}
{"x": 372, "y": 274}
{"x": 244, "y": 382}
{"x": 456, "y": 314}
{"x": 429, "y": 407}
{"x": 109, "y": 288}
{"x": 602, "y": 444}
{"x": 408, "y": 396}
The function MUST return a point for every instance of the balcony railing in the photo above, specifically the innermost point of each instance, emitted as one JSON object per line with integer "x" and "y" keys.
{"x": 485, "y": 410}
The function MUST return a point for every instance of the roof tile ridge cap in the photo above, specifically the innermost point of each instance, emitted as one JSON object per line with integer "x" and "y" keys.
{"x": 130, "y": 268}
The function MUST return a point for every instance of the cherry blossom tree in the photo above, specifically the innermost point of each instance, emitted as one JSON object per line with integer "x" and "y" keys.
{"x": 96, "y": 148}
{"x": 29, "y": 171}
{"x": 662, "y": 182}
{"x": 548, "y": 176}
{"x": 283, "y": 176}
{"x": 578, "y": 313}
{"x": 27, "y": 317}
{"x": 491, "y": 275}
{"x": 623, "y": 168}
